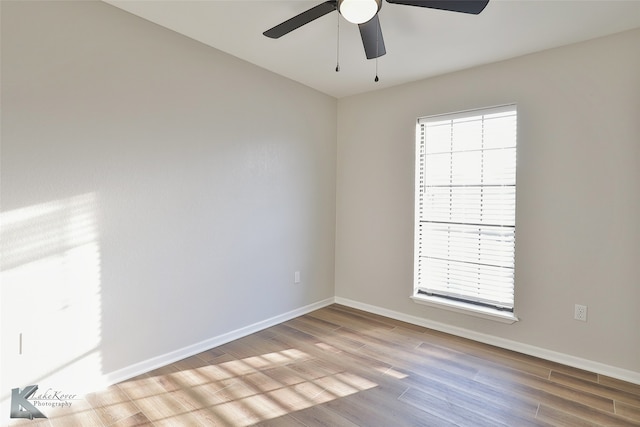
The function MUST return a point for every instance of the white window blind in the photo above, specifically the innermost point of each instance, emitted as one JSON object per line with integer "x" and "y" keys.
{"x": 466, "y": 200}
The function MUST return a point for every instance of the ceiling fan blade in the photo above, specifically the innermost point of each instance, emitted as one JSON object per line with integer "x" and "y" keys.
{"x": 465, "y": 6}
{"x": 301, "y": 19}
{"x": 372, "y": 38}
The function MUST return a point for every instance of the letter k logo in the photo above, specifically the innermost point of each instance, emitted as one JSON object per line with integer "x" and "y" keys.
{"x": 19, "y": 400}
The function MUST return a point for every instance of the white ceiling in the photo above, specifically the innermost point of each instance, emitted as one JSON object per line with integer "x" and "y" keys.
{"x": 420, "y": 42}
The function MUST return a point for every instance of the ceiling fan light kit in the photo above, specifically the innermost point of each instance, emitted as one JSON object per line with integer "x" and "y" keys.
{"x": 359, "y": 11}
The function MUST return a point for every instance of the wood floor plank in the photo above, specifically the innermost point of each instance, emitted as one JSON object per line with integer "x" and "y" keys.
{"x": 379, "y": 318}
{"x": 570, "y": 401}
{"x": 142, "y": 386}
{"x": 543, "y": 390}
{"x": 434, "y": 380}
{"x": 487, "y": 354}
{"x": 458, "y": 408}
{"x": 440, "y": 411}
{"x": 250, "y": 346}
{"x": 570, "y": 371}
{"x": 161, "y": 406}
{"x": 80, "y": 413}
{"x": 207, "y": 417}
{"x": 344, "y": 319}
{"x": 559, "y": 418}
{"x": 36, "y": 422}
{"x": 283, "y": 421}
{"x": 211, "y": 354}
{"x": 314, "y": 323}
{"x": 334, "y": 366}
{"x": 628, "y": 411}
{"x": 320, "y": 339}
{"x": 598, "y": 389}
{"x": 135, "y": 420}
{"x": 336, "y": 359}
{"x": 413, "y": 360}
{"x": 237, "y": 404}
{"x": 283, "y": 375}
{"x": 376, "y": 408}
{"x": 501, "y": 355}
{"x": 404, "y": 339}
{"x": 311, "y": 343}
{"x": 321, "y": 416}
{"x": 619, "y": 384}
{"x": 77, "y": 419}
{"x": 113, "y": 405}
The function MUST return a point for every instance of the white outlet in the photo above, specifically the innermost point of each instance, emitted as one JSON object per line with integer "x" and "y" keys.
{"x": 296, "y": 277}
{"x": 580, "y": 312}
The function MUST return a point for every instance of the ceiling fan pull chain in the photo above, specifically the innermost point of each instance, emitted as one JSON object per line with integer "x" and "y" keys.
{"x": 377, "y": 51}
{"x": 338, "y": 46}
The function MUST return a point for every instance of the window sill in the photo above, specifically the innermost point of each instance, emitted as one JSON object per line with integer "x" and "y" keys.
{"x": 465, "y": 308}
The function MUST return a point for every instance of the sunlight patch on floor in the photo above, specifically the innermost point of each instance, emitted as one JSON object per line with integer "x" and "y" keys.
{"x": 237, "y": 392}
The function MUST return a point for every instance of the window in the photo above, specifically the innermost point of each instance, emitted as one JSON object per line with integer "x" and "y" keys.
{"x": 465, "y": 211}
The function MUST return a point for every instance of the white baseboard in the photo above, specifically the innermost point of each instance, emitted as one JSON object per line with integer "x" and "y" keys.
{"x": 565, "y": 359}
{"x": 179, "y": 354}
{"x": 188, "y": 351}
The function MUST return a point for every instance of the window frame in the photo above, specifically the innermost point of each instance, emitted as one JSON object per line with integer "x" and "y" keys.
{"x": 454, "y": 304}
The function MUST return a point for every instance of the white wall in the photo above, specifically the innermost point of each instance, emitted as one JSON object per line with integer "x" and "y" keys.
{"x": 578, "y": 202}
{"x": 155, "y": 192}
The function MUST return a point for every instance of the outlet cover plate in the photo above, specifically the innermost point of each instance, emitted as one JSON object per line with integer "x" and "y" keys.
{"x": 580, "y": 312}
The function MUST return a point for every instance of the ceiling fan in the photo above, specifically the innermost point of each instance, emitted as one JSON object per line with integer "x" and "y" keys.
{"x": 365, "y": 14}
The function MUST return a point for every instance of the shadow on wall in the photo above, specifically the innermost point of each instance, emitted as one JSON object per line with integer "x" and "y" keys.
{"x": 50, "y": 297}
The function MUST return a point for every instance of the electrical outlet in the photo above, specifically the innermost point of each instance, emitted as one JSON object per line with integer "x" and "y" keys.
{"x": 296, "y": 277}
{"x": 580, "y": 312}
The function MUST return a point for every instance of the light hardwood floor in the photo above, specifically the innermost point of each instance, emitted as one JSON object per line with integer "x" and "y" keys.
{"x": 338, "y": 366}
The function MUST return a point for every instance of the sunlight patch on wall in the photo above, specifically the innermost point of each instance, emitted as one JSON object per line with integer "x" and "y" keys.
{"x": 50, "y": 296}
